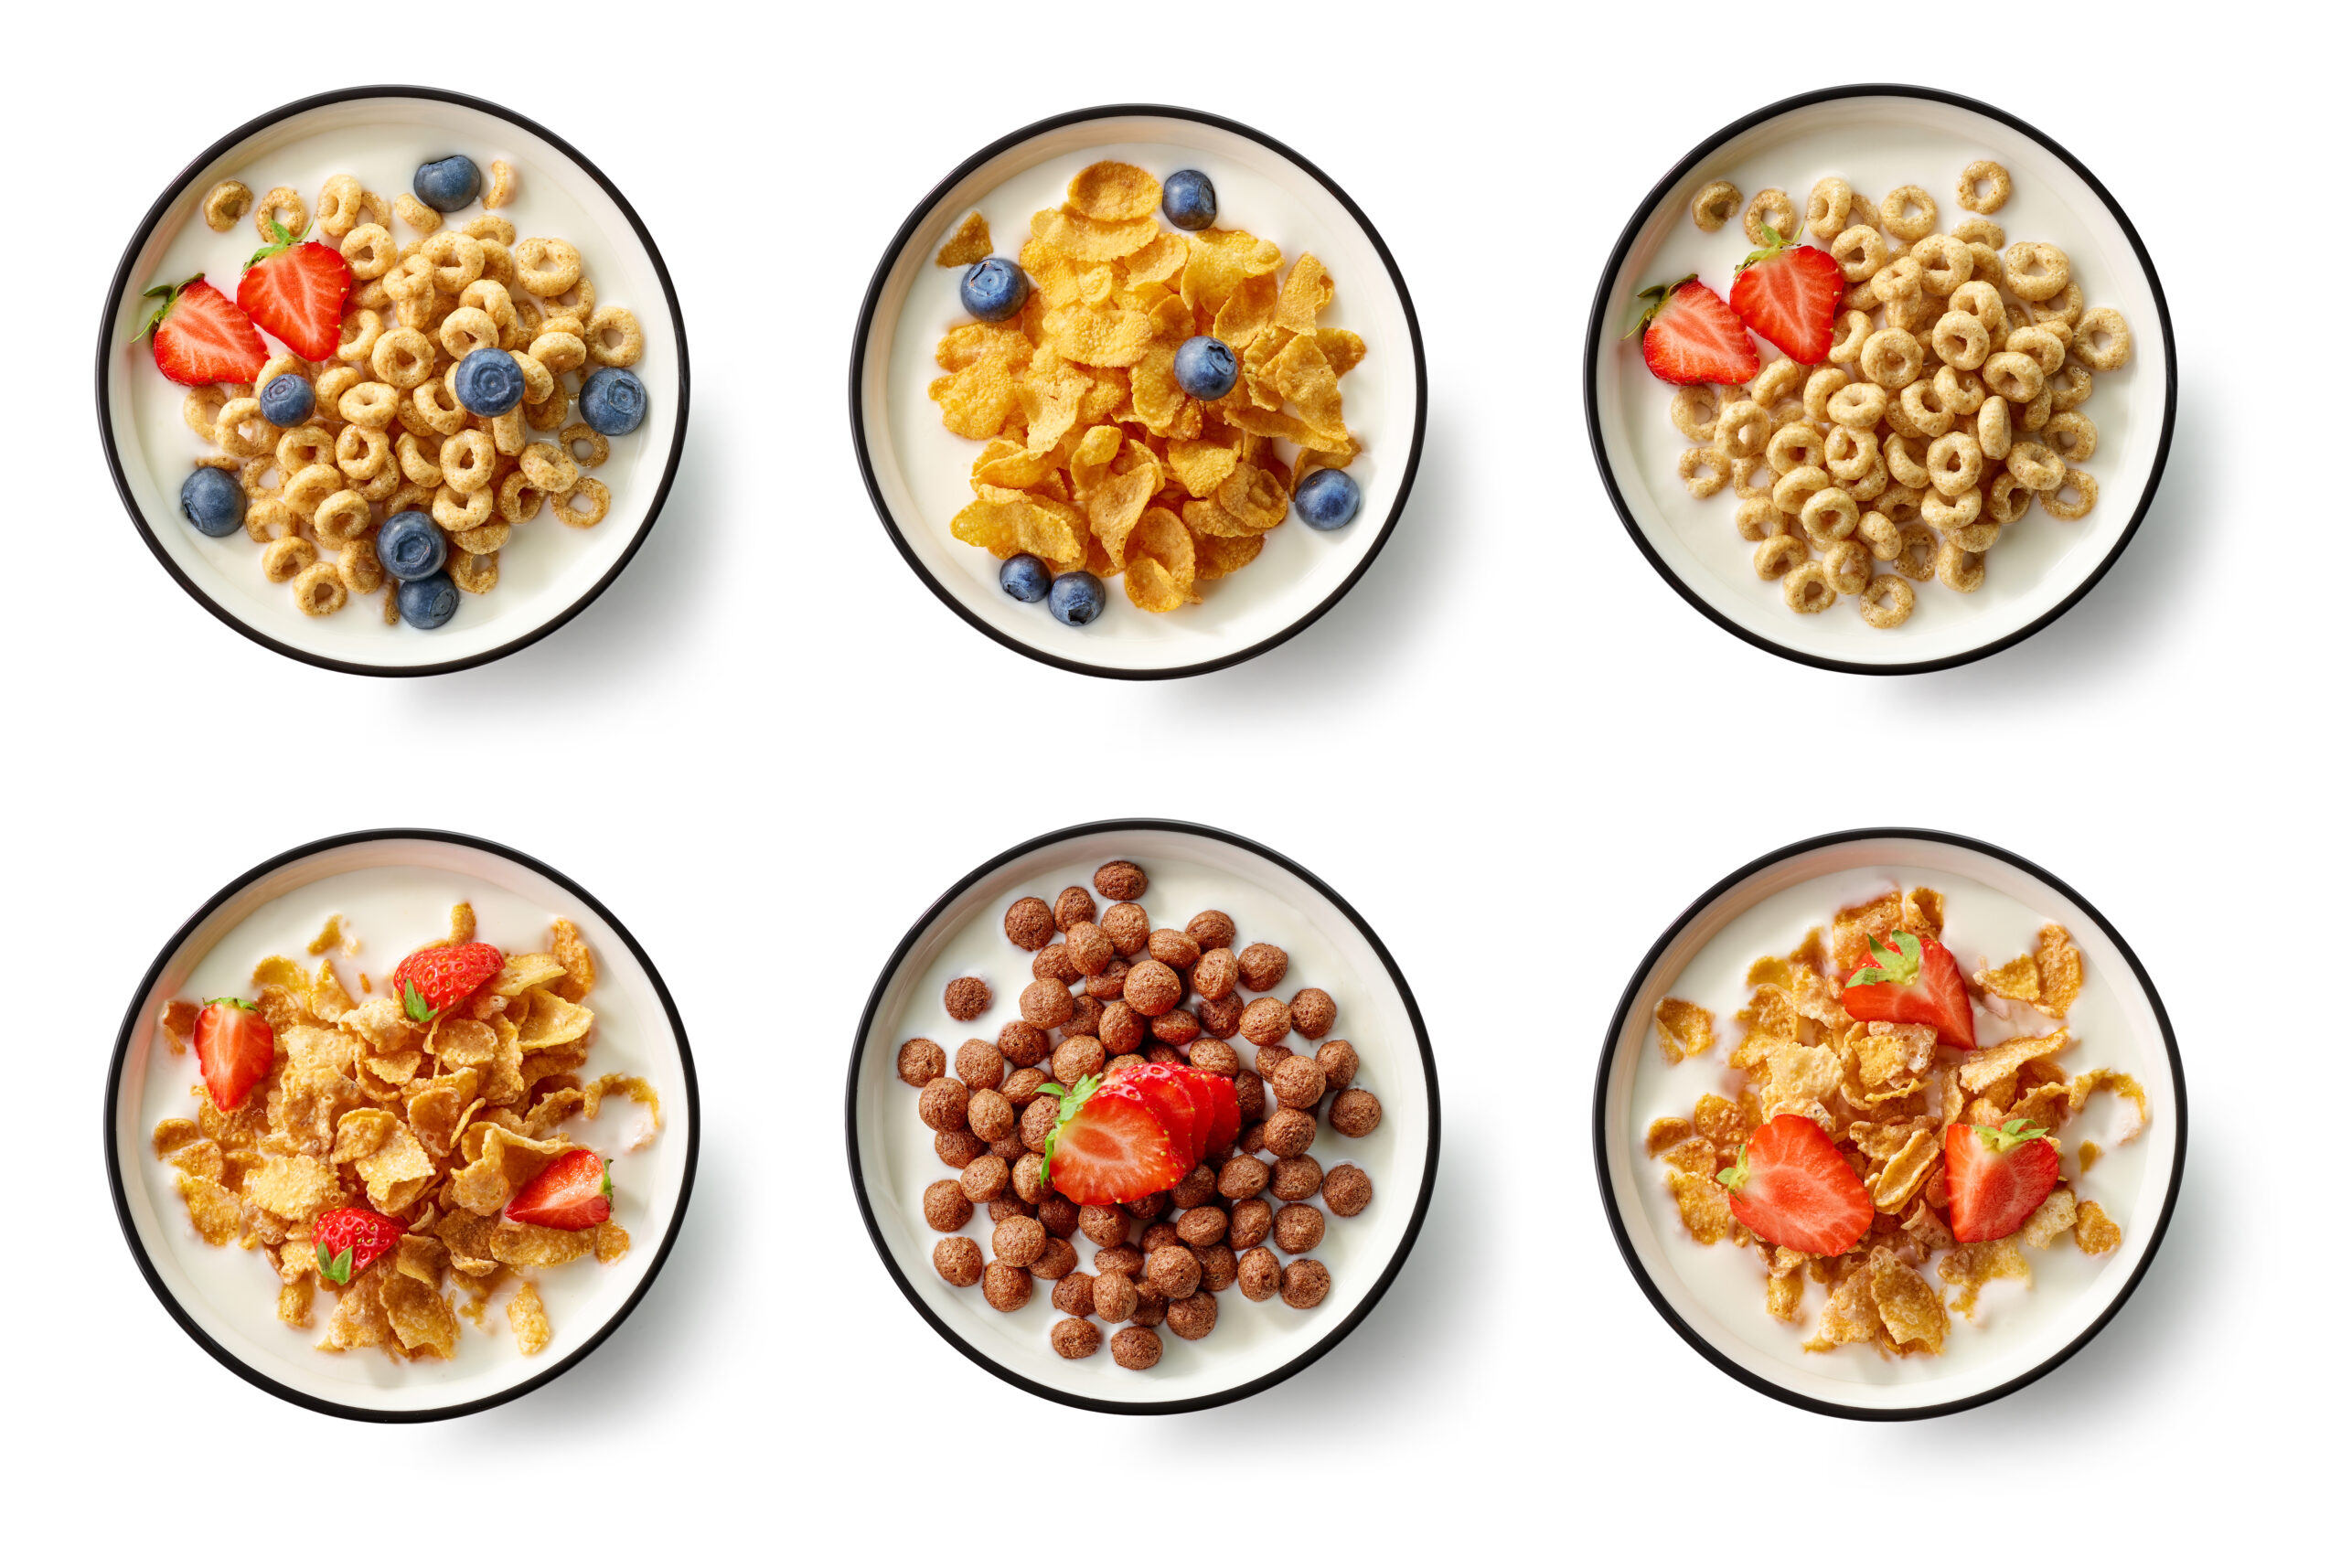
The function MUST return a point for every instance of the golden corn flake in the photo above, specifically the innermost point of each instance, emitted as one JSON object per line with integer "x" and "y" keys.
{"x": 1968, "y": 1268}
{"x": 576, "y": 961}
{"x": 174, "y": 1133}
{"x": 968, "y": 244}
{"x": 295, "y": 1186}
{"x": 1665, "y": 1133}
{"x": 526, "y": 1313}
{"x": 418, "y": 1314}
{"x": 359, "y": 1321}
{"x": 327, "y": 940}
{"x": 1784, "y": 1296}
{"x": 2121, "y": 1083}
{"x": 2058, "y": 1213}
{"x": 537, "y": 1246}
{"x": 1907, "y": 1305}
{"x": 611, "y": 1241}
{"x": 293, "y": 1299}
{"x": 1721, "y": 1122}
{"x": 1850, "y": 931}
{"x": 1922, "y": 911}
{"x": 2060, "y": 971}
{"x": 1851, "y": 1317}
{"x": 632, "y": 1088}
{"x": 2087, "y": 1155}
{"x": 1894, "y": 1051}
{"x": 2095, "y": 1229}
{"x": 2017, "y": 981}
{"x": 1998, "y": 1064}
{"x": 1114, "y": 193}
{"x": 1685, "y": 1029}
{"x": 179, "y": 1023}
{"x": 1696, "y": 1156}
{"x": 524, "y": 972}
{"x": 213, "y": 1210}
{"x": 1706, "y": 1213}
{"x": 1904, "y": 1175}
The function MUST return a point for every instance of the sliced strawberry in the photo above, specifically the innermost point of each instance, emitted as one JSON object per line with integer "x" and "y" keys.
{"x": 1689, "y": 336}
{"x": 234, "y": 1047}
{"x": 1915, "y": 981}
{"x": 1997, "y": 1177}
{"x": 429, "y": 982}
{"x": 1789, "y": 294}
{"x": 1109, "y": 1145}
{"x": 1227, "y": 1117}
{"x": 1793, "y": 1189}
{"x": 351, "y": 1241}
{"x": 201, "y": 335}
{"x": 296, "y": 290}
{"x": 1165, "y": 1088}
{"x": 573, "y": 1193}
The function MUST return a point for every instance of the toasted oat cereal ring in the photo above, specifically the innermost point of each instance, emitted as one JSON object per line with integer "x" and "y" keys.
{"x": 200, "y": 409}
{"x": 1769, "y": 206}
{"x": 1703, "y": 470}
{"x": 1868, "y": 486}
{"x": 1806, "y": 589}
{"x": 539, "y": 382}
{"x": 383, "y": 485}
{"x": 2084, "y": 501}
{"x": 242, "y": 431}
{"x": 2032, "y": 417}
{"x": 2064, "y": 308}
{"x": 1692, "y": 409}
{"x": 1846, "y": 336}
{"x": 265, "y": 522}
{"x": 2101, "y": 340}
{"x": 337, "y": 205}
{"x": 1962, "y": 392}
{"x": 1955, "y": 463}
{"x": 472, "y": 573}
{"x": 370, "y": 403}
{"x": 563, "y": 321}
{"x": 1783, "y": 378}
{"x": 1961, "y": 570}
{"x": 1906, "y": 212}
{"x": 456, "y": 510}
{"x": 370, "y": 250}
{"x": 1944, "y": 263}
{"x": 370, "y": 295}
{"x": 1924, "y": 409}
{"x": 1830, "y": 514}
{"x": 342, "y": 517}
{"x": 1794, "y": 445}
{"x": 577, "y": 301}
{"x": 1849, "y": 453}
{"x": 2072, "y": 436}
{"x": 1887, "y": 601}
{"x": 1861, "y": 297}
{"x": 2034, "y": 466}
{"x": 304, "y": 446}
{"x": 1983, "y": 263}
{"x": 455, "y": 260}
{"x": 1943, "y": 512}
{"x": 1799, "y": 486}
{"x": 1920, "y": 549}
{"x": 318, "y": 589}
{"x": 1778, "y": 556}
{"x": 226, "y": 204}
{"x": 1741, "y": 429}
{"x": 553, "y": 471}
{"x": 281, "y": 365}
{"x": 553, "y": 412}
{"x": 1845, "y": 566}
{"x": 612, "y": 337}
{"x": 1976, "y": 538}
{"x": 2034, "y": 270}
{"x": 545, "y": 268}
{"x": 516, "y": 500}
{"x": 1714, "y": 204}
{"x": 1994, "y": 433}
{"x": 360, "y": 568}
{"x": 1980, "y": 231}
{"x": 2042, "y": 347}
{"x": 287, "y": 559}
{"x": 485, "y": 540}
{"x": 331, "y": 385}
{"x": 596, "y": 497}
{"x": 2016, "y": 377}
{"x": 409, "y": 497}
{"x": 422, "y": 219}
{"x": 438, "y": 407}
{"x": 597, "y": 445}
{"x": 1759, "y": 520}
{"x": 494, "y": 298}
{"x": 418, "y": 465}
{"x": 1860, "y": 406}
{"x": 468, "y": 460}
{"x": 1892, "y": 359}
{"x": 361, "y": 451}
{"x": 1752, "y": 479}
{"x": 403, "y": 358}
{"x": 1822, "y": 383}
{"x": 488, "y": 227}
{"x": 254, "y": 477}
{"x": 1859, "y": 252}
{"x": 558, "y": 352}
{"x": 282, "y": 205}
{"x": 2006, "y": 500}
{"x": 502, "y": 182}
{"x": 1879, "y": 534}
{"x": 1983, "y": 187}
{"x": 1900, "y": 504}
{"x": 1981, "y": 301}
{"x": 2069, "y": 388}
{"x": 1899, "y": 281}
{"x": 506, "y": 430}
{"x": 495, "y": 267}
{"x": 1829, "y": 210}
{"x": 360, "y": 331}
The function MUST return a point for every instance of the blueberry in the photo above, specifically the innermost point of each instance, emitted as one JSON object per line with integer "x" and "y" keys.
{"x": 428, "y": 603}
{"x": 1327, "y": 500}
{"x": 993, "y": 288}
{"x": 1189, "y": 201}
{"x": 488, "y": 382}
{"x": 1205, "y": 368}
{"x": 288, "y": 401}
{"x": 1024, "y": 578}
{"x": 213, "y": 502}
{"x": 448, "y": 183}
{"x": 613, "y": 401}
{"x": 1077, "y": 598}
{"x": 410, "y": 547}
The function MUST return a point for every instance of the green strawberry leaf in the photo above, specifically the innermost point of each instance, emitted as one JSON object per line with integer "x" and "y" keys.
{"x": 1732, "y": 1175}
{"x": 169, "y": 294}
{"x": 1069, "y": 1103}
{"x": 1656, "y": 294}
{"x": 1897, "y": 966}
{"x": 334, "y": 1266}
{"x": 236, "y": 1002}
{"x": 417, "y": 1007}
{"x": 2007, "y": 1135}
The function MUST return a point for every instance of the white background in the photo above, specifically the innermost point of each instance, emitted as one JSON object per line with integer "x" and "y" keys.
{"x": 1511, "y": 747}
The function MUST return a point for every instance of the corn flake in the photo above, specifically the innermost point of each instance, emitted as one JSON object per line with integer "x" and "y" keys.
{"x": 2094, "y": 1229}
{"x": 526, "y": 1313}
{"x": 1706, "y": 1213}
{"x": 969, "y": 243}
{"x": 1998, "y": 1064}
{"x": 1907, "y": 1305}
{"x": 1685, "y": 1029}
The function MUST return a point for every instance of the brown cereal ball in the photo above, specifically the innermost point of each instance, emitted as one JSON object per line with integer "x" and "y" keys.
{"x": 1025, "y": 1177}
{"x": 948, "y": 1207}
{"x": 1196, "y": 1187}
{"x": 958, "y": 1259}
{"x": 1006, "y": 1287}
{"x": 1251, "y": 1097}
{"x": 1168, "y": 1055}
{"x": 1022, "y": 1086}
{"x": 1053, "y": 963}
{"x": 1211, "y": 1055}
{"x": 1077, "y": 1059}
{"x": 1019, "y": 1242}
{"x": 1122, "y": 1029}
{"x": 1120, "y": 882}
{"x": 1057, "y": 1260}
{"x": 1242, "y": 1177}
{"x": 1153, "y": 988}
{"x": 959, "y": 1148}
{"x": 1076, "y": 1338}
{"x": 1137, "y": 1350}
{"x": 1088, "y": 1012}
{"x": 1124, "y": 1259}
{"x": 1356, "y": 1113}
{"x": 1175, "y": 948}
{"x": 1338, "y": 1059}
{"x": 1113, "y": 1297}
{"x": 1022, "y": 1044}
{"x": 1299, "y": 1228}
{"x": 1266, "y": 1020}
{"x": 980, "y": 1064}
{"x": 1045, "y": 1004}
{"x": 1268, "y": 1058}
{"x": 1289, "y": 1133}
{"x": 1152, "y": 1307}
{"x": 1039, "y": 1120}
{"x": 1059, "y": 1215}
{"x": 1348, "y": 1191}
{"x": 1202, "y": 1227}
{"x": 1106, "y": 987}
{"x": 942, "y": 1104}
{"x": 1261, "y": 967}
{"x": 1007, "y": 1207}
{"x": 1306, "y": 1281}
{"x": 1104, "y": 1224}
{"x": 990, "y": 1116}
{"x": 1010, "y": 1149}
{"x": 1075, "y": 1294}
{"x": 1258, "y": 1274}
{"x": 1295, "y": 1178}
{"x": 1215, "y": 975}
{"x": 1173, "y": 1271}
{"x": 983, "y": 1181}
{"x": 1144, "y": 1209}
{"x": 1220, "y": 1018}
{"x": 1157, "y": 1236}
{"x": 918, "y": 1062}
{"x": 1219, "y": 1265}
{"x": 1300, "y": 1083}
{"x": 1254, "y": 1138}
{"x": 1128, "y": 925}
{"x": 966, "y": 997}
{"x": 1089, "y": 948}
{"x": 1123, "y": 1063}
{"x": 1193, "y": 1317}
{"x": 1211, "y": 929}
{"x": 1030, "y": 925}
{"x": 1249, "y": 1221}
{"x": 1176, "y": 1029}
{"x": 1312, "y": 1013}
{"x": 1073, "y": 906}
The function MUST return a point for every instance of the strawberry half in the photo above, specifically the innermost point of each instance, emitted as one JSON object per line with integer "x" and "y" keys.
{"x": 1109, "y": 1144}
{"x": 201, "y": 335}
{"x": 1997, "y": 1177}
{"x": 1789, "y": 294}
{"x": 234, "y": 1047}
{"x": 430, "y": 982}
{"x": 1793, "y": 1189}
{"x": 1690, "y": 336}
{"x": 1915, "y": 981}
{"x": 573, "y": 1193}
{"x": 296, "y": 289}
{"x": 351, "y": 1241}
{"x": 1186, "y": 1122}
{"x": 1227, "y": 1117}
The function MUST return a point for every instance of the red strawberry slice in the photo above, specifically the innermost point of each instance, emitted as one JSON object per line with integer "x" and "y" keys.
{"x": 1997, "y": 1177}
{"x": 1793, "y": 1189}
{"x": 1789, "y": 294}
{"x": 1227, "y": 1117}
{"x": 1165, "y": 1088}
{"x": 573, "y": 1193}
{"x": 429, "y": 982}
{"x": 351, "y": 1241}
{"x": 1915, "y": 981}
{"x": 1689, "y": 336}
{"x": 201, "y": 335}
{"x": 234, "y": 1047}
{"x": 296, "y": 290}
{"x": 1109, "y": 1145}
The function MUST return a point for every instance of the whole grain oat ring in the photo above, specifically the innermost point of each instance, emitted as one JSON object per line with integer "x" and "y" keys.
{"x": 359, "y": 334}
{"x": 538, "y": 383}
{"x": 597, "y": 445}
{"x": 2072, "y": 436}
{"x": 1906, "y": 212}
{"x": 265, "y": 522}
{"x": 455, "y": 510}
{"x": 344, "y": 516}
{"x": 2040, "y": 346}
{"x": 2069, "y": 388}
{"x": 1943, "y": 512}
{"x": 1870, "y": 484}
{"x": 2006, "y": 500}
{"x": 1887, "y": 601}
{"x": 318, "y": 589}
{"x": 1752, "y": 478}
{"x": 361, "y": 451}
{"x": 2032, "y": 417}
{"x": 1983, "y": 187}
{"x": 226, "y": 205}
{"x": 418, "y": 463}
{"x": 1703, "y": 470}
{"x": 485, "y": 540}
{"x": 467, "y": 329}
{"x": 1846, "y": 336}
{"x": 1980, "y": 231}
{"x": 1820, "y": 384}
{"x": 1845, "y": 565}
{"x": 370, "y": 403}
{"x": 287, "y": 559}
{"x": 1981, "y": 301}
{"x": 303, "y": 446}
{"x": 612, "y": 321}
{"x": 472, "y": 573}
{"x": 1799, "y": 486}
{"x": 242, "y": 431}
{"x": 1892, "y": 359}
{"x": 2035, "y": 270}
{"x": 1904, "y": 464}
{"x": 553, "y": 412}
{"x": 1899, "y": 281}
{"x": 1976, "y": 537}
{"x": 2034, "y": 466}
{"x": 2084, "y": 489}
{"x": 1807, "y": 590}
{"x": 1961, "y": 570}
{"x": 282, "y": 205}
{"x": 1944, "y": 263}
{"x": 310, "y": 485}
{"x": 1768, "y": 207}
{"x": 576, "y": 300}
{"x": 1783, "y": 378}
{"x": 1758, "y": 520}
{"x": 495, "y": 299}
{"x": 1920, "y": 549}
{"x": 1961, "y": 340}
{"x": 337, "y": 205}
{"x": 1793, "y": 446}
{"x": 1877, "y": 531}
{"x": 1994, "y": 432}
{"x": 1741, "y": 429}
{"x": 422, "y": 219}
{"x": 516, "y": 500}
{"x": 558, "y": 352}
{"x": 200, "y": 409}
{"x": 1692, "y": 409}
{"x": 1924, "y": 411}
{"x": 1955, "y": 462}
{"x": 2016, "y": 377}
{"x": 1962, "y": 392}
{"x": 1830, "y": 514}
{"x": 506, "y": 430}
{"x": 369, "y": 251}
{"x": 360, "y": 568}
{"x": 403, "y": 358}
{"x": 2102, "y": 341}
{"x": 1714, "y": 204}
{"x": 468, "y": 460}
{"x": 596, "y": 497}
{"x": 1859, "y": 252}
{"x": 489, "y": 227}
{"x": 1849, "y": 453}
{"x": 553, "y": 471}
{"x": 1778, "y": 556}
{"x": 501, "y": 183}
{"x": 2064, "y": 308}
{"x": 1829, "y": 210}
{"x": 495, "y": 261}
{"x": 547, "y": 268}
{"x": 254, "y": 477}
{"x": 455, "y": 261}
{"x": 438, "y": 407}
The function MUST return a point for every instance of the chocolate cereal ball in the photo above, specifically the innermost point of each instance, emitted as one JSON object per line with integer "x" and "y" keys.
{"x": 1022, "y": 1086}
{"x": 1025, "y": 1177}
{"x": 1305, "y": 1283}
{"x": 1077, "y": 1059}
{"x": 1289, "y": 1133}
{"x": 1242, "y": 1177}
{"x": 1089, "y": 948}
{"x": 1053, "y": 963}
{"x": 1106, "y": 986}
{"x": 1251, "y": 1096}
{"x": 1176, "y": 1029}
{"x": 1113, "y": 1297}
{"x": 1261, "y": 967}
{"x": 1075, "y": 1294}
{"x": 1128, "y": 925}
{"x": 1038, "y": 1121}
{"x": 1006, "y": 1287}
{"x": 1119, "y": 880}
{"x": 1168, "y": 1055}
{"x": 1192, "y": 1317}
{"x": 965, "y": 998}
{"x": 918, "y": 1062}
{"x": 1007, "y": 1207}
{"x": 1266, "y": 1020}
{"x": 1299, "y": 1228}
{"x": 1211, "y": 929}
{"x": 983, "y": 1181}
{"x": 1088, "y": 1012}
{"x": 1173, "y": 1271}
{"x": 1300, "y": 1083}
{"x": 1059, "y": 1215}
{"x": 958, "y": 1147}
{"x": 1175, "y": 948}
{"x": 1356, "y": 1113}
{"x": 1295, "y": 1178}
{"x": 1196, "y": 1187}
{"x": 1249, "y": 1221}
{"x": 1215, "y": 975}
{"x": 1153, "y": 988}
{"x": 1219, "y": 1265}
{"x": 1312, "y": 1013}
{"x": 1202, "y": 1227}
{"x": 1152, "y": 1306}
{"x": 1030, "y": 925}
{"x": 1124, "y": 1259}
{"x": 942, "y": 1104}
{"x": 1122, "y": 1029}
{"x": 1348, "y": 1191}
{"x": 1073, "y": 906}
{"x": 1045, "y": 1004}
{"x": 1338, "y": 1059}
{"x": 958, "y": 1259}
{"x": 1157, "y": 1236}
{"x": 1076, "y": 1338}
{"x": 1136, "y": 1348}
{"x": 990, "y": 1116}
{"x": 1105, "y": 1224}
{"x": 1258, "y": 1274}
{"x": 980, "y": 1064}
{"x": 1211, "y": 1055}
{"x": 1010, "y": 1149}
{"x": 1147, "y": 1208}
{"x": 1057, "y": 1260}
{"x": 948, "y": 1206}
{"x": 1268, "y": 1058}
{"x": 1220, "y": 1018}
{"x": 1019, "y": 1242}
{"x": 1254, "y": 1138}
{"x": 1022, "y": 1044}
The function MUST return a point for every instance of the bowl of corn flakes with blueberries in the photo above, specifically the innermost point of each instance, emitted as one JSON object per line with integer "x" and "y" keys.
{"x": 401, "y": 1125}
{"x": 392, "y": 380}
{"x": 1880, "y": 378}
{"x": 1105, "y": 360}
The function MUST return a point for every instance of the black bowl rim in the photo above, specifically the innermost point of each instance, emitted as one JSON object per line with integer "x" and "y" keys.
{"x": 1615, "y": 1042}
{"x": 902, "y": 239}
{"x": 1296, "y": 1362}
{"x": 227, "y": 1358}
{"x": 106, "y": 348}
{"x": 1598, "y": 340}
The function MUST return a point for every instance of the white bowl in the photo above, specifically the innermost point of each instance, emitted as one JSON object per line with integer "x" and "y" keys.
{"x": 1714, "y": 1297}
{"x": 917, "y": 471}
{"x": 548, "y": 573}
{"x": 1880, "y": 137}
{"x": 392, "y": 883}
{"x": 1189, "y": 868}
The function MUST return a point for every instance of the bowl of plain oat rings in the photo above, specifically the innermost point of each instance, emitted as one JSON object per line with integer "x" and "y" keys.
{"x": 392, "y": 380}
{"x": 1880, "y": 378}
